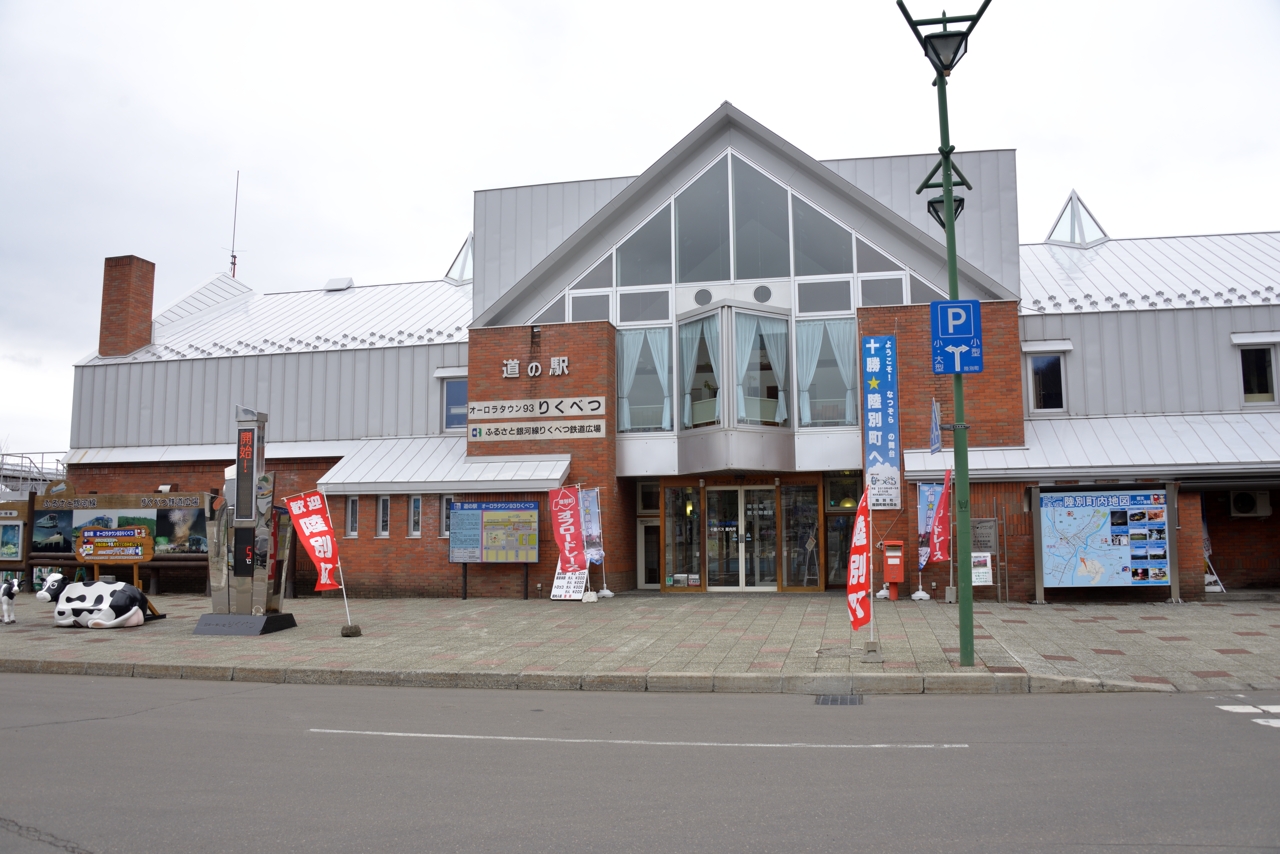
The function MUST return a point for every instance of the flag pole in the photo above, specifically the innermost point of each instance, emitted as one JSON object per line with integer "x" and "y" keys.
{"x": 343, "y": 585}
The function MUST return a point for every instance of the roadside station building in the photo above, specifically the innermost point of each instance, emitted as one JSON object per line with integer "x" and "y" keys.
{"x": 687, "y": 340}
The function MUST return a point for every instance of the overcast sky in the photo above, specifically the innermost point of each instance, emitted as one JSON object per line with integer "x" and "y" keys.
{"x": 361, "y": 130}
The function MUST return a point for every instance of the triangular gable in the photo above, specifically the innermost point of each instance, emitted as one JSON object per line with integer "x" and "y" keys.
{"x": 872, "y": 219}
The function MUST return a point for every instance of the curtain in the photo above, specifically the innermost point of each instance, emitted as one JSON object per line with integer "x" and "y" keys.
{"x": 660, "y": 349}
{"x": 630, "y": 344}
{"x": 808, "y": 348}
{"x": 711, "y": 330}
{"x": 844, "y": 341}
{"x": 690, "y": 335}
{"x": 745, "y": 329}
{"x": 774, "y": 332}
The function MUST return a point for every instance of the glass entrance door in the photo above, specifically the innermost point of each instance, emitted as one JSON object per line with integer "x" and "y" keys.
{"x": 648, "y": 553}
{"x": 742, "y": 538}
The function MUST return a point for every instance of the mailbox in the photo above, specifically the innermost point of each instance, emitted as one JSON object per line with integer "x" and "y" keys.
{"x": 894, "y": 568}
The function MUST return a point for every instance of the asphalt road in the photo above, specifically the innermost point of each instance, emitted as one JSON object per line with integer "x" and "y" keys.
{"x": 133, "y": 765}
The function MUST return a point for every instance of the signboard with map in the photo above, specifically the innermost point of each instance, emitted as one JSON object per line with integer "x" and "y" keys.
{"x": 1104, "y": 539}
{"x": 493, "y": 532}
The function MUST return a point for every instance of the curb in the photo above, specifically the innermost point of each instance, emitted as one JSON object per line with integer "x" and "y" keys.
{"x": 720, "y": 683}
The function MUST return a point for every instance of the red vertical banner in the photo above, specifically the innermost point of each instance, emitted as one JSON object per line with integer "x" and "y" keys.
{"x": 311, "y": 520}
{"x": 940, "y": 533}
{"x": 859, "y": 586}
{"x": 566, "y": 522}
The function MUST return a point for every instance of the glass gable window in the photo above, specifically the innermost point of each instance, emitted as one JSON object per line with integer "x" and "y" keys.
{"x": 645, "y": 257}
{"x": 700, "y": 372}
{"x": 601, "y": 276}
{"x": 1046, "y": 382}
{"x": 702, "y": 227}
{"x": 455, "y": 404}
{"x": 1259, "y": 381}
{"x": 760, "y": 351}
{"x": 762, "y": 245}
{"x": 591, "y": 307}
{"x": 553, "y": 313}
{"x": 823, "y": 248}
{"x": 644, "y": 306}
{"x": 644, "y": 380}
{"x": 816, "y": 297}
{"x": 872, "y": 260}
{"x": 826, "y": 351}
{"x": 881, "y": 291}
{"x": 922, "y": 293}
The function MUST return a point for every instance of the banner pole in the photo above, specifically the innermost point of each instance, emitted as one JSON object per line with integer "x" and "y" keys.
{"x": 871, "y": 566}
{"x": 343, "y": 585}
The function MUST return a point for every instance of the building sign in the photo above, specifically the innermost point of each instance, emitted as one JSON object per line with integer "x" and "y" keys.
{"x": 542, "y": 407}
{"x": 176, "y": 521}
{"x": 114, "y": 545}
{"x": 880, "y": 408}
{"x": 511, "y": 368}
{"x": 310, "y": 517}
{"x": 1104, "y": 539}
{"x": 519, "y": 430}
{"x": 984, "y": 534}
{"x": 956, "y": 332}
{"x": 493, "y": 532}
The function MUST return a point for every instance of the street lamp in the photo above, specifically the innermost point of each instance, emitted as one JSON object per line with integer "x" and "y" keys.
{"x": 944, "y": 48}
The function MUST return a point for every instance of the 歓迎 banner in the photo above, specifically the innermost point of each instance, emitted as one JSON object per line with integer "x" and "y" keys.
{"x": 859, "y": 586}
{"x": 940, "y": 533}
{"x": 566, "y": 522}
{"x": 310, "y": 518}
{"x": 880, "y": 406}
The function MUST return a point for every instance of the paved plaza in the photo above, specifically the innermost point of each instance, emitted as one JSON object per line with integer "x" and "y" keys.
{"x": 756, "y": 642}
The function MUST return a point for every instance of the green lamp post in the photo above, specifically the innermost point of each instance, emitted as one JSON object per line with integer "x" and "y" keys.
{"x": 944, "y": 48}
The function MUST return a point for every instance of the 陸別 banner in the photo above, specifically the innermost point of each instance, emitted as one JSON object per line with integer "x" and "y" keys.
{"x": 859, "y": 586}
{"x": 566, "y": 522}
{"x": 310, "y": 518}
{"x": 940, "y": 533}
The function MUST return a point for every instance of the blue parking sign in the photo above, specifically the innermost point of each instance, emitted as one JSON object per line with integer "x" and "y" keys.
{"x": 956, "y": 333}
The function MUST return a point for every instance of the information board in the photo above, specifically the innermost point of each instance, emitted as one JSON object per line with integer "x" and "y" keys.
{"x": 568, "y": 585}
{"x": 1104, "y": 539}
{"x": 493, "y": 532}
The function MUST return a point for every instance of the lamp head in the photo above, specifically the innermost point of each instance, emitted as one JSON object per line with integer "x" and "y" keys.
{"x": 945, "y": 49}
{"x": 938, "y": 209}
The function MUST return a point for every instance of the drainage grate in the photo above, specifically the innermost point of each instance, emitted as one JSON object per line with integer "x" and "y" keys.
{"x": 838, "y": 700}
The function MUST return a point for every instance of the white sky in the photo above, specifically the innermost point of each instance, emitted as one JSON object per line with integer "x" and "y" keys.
{"x": 361, "y": 130}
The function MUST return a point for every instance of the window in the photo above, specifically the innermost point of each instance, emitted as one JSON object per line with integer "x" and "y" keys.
{"x": 800, "y": 536}
{"x": 683, "y": 537}
{"x": 553, "y": 313}
{"x": 644, "y": 380}
{"x": 823, "y": 248}
{"x": 762, "y": 246}
{"x": 415, "y": 516}
{"x": 455, "y": 404}
{"x": 1259, "y": 379}
{"x": 384, "y": 516}
{"x": 872, "y": 260}
{"x": 702, "y": 227}
{"x": 814, "y": 297}
{"x": 924, "y": 293}
{"x": 826, "y": 352}
{"x": 881, "y": 291}
{"x": 445, "y": 501}
{"x": 601, "y": 276}
{"x": 645, "y": 257}
{"x": 644, "y": 306}
{"x": 700, "y": 371}
{"x": 760, "y": 353}
{"x": 1046, "y": 382}
{"x": 353, "y": 516}
{"x": 593, "y": 307}
{"x": 649, "y": 497}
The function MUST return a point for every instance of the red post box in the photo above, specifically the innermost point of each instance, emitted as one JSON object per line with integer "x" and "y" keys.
{"x": 894, "y": 568}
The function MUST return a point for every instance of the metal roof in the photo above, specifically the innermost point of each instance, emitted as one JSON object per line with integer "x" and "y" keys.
{"x": 219, "y": 451}
{"x": 361, "y": 318}
{"x": 439, "y": 464}
{"x": 1245, "y": 444}
{"x": 1153, "y": 272}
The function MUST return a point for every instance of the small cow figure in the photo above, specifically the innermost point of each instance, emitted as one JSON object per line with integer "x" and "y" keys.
{"x": 94, "y": 604}
{"x": 7, "y": 591}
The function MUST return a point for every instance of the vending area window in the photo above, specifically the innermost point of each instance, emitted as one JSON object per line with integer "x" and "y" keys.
{"x": 384, "y": 516}
{"x": 455, "y": 404}
{"x": 353, "y": 516}
{"x": 415, "y": 516}
{"x": 1257, "y": 369}
{"x": 648, "y": 497}
{"x": 1046, "y": 382}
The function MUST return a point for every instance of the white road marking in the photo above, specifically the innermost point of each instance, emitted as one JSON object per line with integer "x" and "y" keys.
{"x": 1275, "y": 710}
{"x": 1244, "y": 710}
{"x": 638, "y": 742}
{"x": 1275, "y": 722}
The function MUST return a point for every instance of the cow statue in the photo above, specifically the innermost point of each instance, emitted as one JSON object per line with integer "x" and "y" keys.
{"x": 94, "y": 604}
{"x": 7, "y": 591}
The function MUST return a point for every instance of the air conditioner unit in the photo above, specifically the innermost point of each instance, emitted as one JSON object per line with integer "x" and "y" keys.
{"x": 1253, "y": 505}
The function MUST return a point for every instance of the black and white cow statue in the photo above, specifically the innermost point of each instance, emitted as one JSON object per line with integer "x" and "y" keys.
{"x": 94, "y": 604}
{"x": 7, "y": 591}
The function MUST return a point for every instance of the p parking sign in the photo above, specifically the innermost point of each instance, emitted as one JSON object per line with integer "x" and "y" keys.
{"x": 956, "y": 332}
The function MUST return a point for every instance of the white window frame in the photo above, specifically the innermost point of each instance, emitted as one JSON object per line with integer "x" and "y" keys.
{"x": 444, "y": 404}
{"x": 904, "y": 275}
{"x": 352, "y": 525}
{"x": 415, "y": 501}
{"x": 1028, "y": 361}
{"x": 730, "y": 343}
{"x": 1275, "y": 393}
{"x": 652, "y": 289}
{"x": 382, "y": 522}
{"x": 445, "y": 501}
{"x": 848, "y": 279}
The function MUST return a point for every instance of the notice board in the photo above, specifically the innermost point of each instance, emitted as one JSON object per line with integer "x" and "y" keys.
{"x": 493, "y": 532}
{"x": 1104, "y": 539}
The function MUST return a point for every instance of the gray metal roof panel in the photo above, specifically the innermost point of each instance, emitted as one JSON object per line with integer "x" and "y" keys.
{"x": 438, "y": 464}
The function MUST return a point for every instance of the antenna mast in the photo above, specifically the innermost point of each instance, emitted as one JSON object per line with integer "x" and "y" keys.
{"x": 234, "y": 215}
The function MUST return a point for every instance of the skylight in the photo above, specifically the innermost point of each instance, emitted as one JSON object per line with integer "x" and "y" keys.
{"x": 1076, "y": 226}
{"x": 460, "y": 270}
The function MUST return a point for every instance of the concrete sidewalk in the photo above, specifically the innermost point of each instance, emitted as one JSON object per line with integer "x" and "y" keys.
{"x": 736, "y": 642}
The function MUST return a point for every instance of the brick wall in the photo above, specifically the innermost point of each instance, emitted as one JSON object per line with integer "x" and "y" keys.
{"x": 128, "y": 283}
{"x": 1246, "y": 552}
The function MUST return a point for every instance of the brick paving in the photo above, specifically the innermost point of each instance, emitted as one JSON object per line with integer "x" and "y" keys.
{"x": 1191, "y": 647}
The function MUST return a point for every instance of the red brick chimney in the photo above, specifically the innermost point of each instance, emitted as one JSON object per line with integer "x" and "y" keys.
{"x": 127, "y": 285}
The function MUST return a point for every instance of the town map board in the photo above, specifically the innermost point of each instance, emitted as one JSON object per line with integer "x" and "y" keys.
{"x": 493, "y": 532}
{"x": 1104, "y": 539}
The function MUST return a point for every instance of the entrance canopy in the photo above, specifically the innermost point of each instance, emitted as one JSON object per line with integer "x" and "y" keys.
{"x": 438, "y": 464}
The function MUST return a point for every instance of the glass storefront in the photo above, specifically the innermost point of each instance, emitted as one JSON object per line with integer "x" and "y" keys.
{"x": 800, "y": 554}
{"x": 683, "y": 539}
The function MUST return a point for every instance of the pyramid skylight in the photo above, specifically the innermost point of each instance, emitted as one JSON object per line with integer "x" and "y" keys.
{"x": 1076, "y": 226}
{"x": 460, "y": 271}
